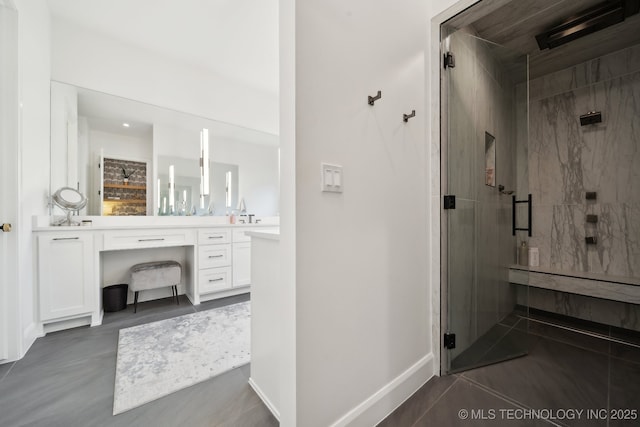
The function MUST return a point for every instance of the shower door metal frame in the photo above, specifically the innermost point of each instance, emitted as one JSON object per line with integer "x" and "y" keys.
{"x": 444, "y": 219}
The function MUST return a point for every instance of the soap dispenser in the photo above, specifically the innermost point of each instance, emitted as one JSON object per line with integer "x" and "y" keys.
{"x": 523, "y": 254}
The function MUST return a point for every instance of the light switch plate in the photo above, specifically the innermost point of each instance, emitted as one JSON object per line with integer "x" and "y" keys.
{"x": 331, "y": 178}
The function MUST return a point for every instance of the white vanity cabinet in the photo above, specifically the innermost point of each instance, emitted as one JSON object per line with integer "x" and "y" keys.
{"x": 241, "y": 247}
{"x": 241, "y": 257}
{"x": 73, "y": 263}
{"x": 214, "y": 261}
{"x": 65, "y": 275}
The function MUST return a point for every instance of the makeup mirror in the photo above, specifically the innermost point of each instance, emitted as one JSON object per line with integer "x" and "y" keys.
{"x": 69, "y": 200}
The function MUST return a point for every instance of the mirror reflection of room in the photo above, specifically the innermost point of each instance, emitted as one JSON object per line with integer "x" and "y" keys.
{"x": 133, "y": 158}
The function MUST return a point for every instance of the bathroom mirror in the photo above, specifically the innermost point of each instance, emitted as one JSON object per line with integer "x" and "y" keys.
{"x": 490, "y": 159}
{"x": 187, "y": 187}
{"x": 88, "y": 128}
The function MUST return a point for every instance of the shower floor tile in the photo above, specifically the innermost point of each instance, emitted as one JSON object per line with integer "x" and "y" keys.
{"x": 466, "y": 404}
{"x": 563, "y": 370}
{"x": 553, "y": 376}
{"x": 625, "y": 393}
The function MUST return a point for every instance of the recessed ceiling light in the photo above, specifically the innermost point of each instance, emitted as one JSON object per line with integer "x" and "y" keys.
{"x": 125, "y": 125}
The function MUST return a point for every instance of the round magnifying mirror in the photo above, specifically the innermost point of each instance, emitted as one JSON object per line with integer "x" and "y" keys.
{"x": 69, "y": 199}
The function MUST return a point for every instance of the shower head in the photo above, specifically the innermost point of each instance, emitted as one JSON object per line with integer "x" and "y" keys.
{"x": 588, "y": 21}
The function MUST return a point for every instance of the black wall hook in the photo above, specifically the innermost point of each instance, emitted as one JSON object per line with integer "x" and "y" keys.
{"x": 373, "y": 99}
{"x": 406, "y": 117}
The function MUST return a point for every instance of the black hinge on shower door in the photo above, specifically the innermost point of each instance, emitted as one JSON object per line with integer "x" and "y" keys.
{"x": 450, "y": 202}
{"x": 449, "y": 60}
{"x": 449, "y": 341}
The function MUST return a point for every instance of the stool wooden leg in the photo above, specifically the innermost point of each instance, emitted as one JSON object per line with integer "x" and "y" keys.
{"x": 177, "y": 298}
{"x": 135, "y": 302}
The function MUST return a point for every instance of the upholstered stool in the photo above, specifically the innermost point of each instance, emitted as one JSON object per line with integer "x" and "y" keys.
{"x": 153, "y": 275}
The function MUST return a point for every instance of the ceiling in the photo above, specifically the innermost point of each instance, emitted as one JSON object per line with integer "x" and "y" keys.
{"x": 514, "y": 24}
{"x": 236, "y": 39}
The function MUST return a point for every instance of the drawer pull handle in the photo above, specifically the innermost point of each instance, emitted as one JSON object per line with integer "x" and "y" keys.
{"x": 216, "y": 280}
{"x": 150, "y": 240}
{"x": 216, "y": 256}
{"x": 216, "y": 237}
{"x": 65, "y": 238}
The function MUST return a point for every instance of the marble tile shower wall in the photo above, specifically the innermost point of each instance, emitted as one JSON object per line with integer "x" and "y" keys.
{"x": 565, "y": 160}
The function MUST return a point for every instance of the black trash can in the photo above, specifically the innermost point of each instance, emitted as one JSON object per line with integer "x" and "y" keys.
{"x": 114, "y": 297}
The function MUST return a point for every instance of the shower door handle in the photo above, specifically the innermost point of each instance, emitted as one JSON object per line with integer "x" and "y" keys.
{"x": 529, "y": 214}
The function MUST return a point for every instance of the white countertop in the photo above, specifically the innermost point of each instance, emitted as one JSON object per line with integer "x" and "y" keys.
{"x": 266, "y": 234}
{"x": 42, "y": 223}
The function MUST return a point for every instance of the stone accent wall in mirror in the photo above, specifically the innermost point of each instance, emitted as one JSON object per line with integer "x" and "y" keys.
{"x": 193, "y": 165}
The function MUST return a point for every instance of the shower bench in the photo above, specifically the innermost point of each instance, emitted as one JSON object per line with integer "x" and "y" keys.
{"x": 615, "y": 288}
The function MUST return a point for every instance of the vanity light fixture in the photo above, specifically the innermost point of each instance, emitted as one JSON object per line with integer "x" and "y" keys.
{"x": 204, "y": 161}
{"x": 172, "y": 187}
{"x": 158, "y": 194}
{"x": 126, "y": 125}
{"x": 228, "y": 189}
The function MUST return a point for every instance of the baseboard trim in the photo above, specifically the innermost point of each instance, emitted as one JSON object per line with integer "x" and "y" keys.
{"x": 390, "y": 396}
{"x": 29, "y": 336}
{"x": 264, "y": 398}
{"x": 74, "y": 322}
{"x": 224, "y": 294}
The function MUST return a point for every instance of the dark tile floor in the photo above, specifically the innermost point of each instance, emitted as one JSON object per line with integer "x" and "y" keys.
{"x": 66, "y": 379}
{"x": 566, "y": 372}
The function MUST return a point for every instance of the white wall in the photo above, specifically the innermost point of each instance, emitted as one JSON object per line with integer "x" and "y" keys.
{"x": 352, "y": 315}
{"x": 34, "y": 52}
{"x": 87, "y": 59}
{"x": 363, "y": 312}
{"x": 287, "y": 85}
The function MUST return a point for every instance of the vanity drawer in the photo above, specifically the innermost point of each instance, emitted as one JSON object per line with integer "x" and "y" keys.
{"x": 214, "y": 255}
{"x": 214, "y": 279}
{"x": 154, "y": 238}
{"x": 214, "y": 236}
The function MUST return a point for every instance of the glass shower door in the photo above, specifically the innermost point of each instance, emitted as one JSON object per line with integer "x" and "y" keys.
{"x": 485, "y": 100}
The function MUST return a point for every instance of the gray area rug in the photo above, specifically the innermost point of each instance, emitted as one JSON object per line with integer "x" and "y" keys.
{"x": 159, "y": 358}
